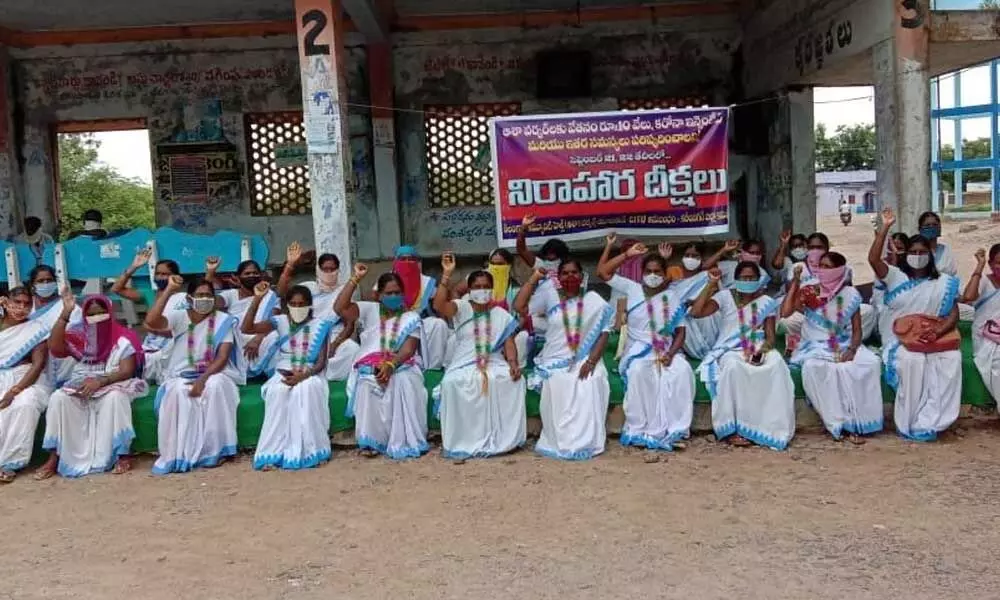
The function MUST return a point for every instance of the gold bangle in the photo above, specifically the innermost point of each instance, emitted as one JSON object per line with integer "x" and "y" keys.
{"x": 354, "y": 280}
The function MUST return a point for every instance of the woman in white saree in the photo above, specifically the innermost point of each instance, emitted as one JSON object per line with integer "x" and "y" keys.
{"x": 570, "y": 369}
{"x": 196, "y": 405}
{"x": 24, "y": 390}
{"x": 842, "y": 378}
{"x": 482, "y": 408}
{"x": 984, "y": 293}
{"x": 753, "y": 398}
{"x": 659, "y": 385}
{"x": 686, "y": 283}
{"x": 343, "y": 350}
{"x": 88, "y": 424}
{"x": 258, "y": 350}
{"x": 295, "y": 434}
{"x": 385, "y": 392}
{"x": 46, "y": 309}
{"x": 921, "y": 349}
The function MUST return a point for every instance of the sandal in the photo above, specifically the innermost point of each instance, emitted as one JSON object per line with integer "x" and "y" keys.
{"x": 7, "y": 476}
{"x": 44, "y": 473}
{"x": 857, "y": 440}
{"x": 740, "y": 442}
{"x": 369, "y": 453}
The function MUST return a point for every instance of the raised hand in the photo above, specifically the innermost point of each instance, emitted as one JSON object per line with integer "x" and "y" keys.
{"x": 610, "y": 239}
{"x": 212, "y": 264}
{"x": 714, "y": 274}
{"x": 786, "y": 236}
{"x": 538, "y": 275}
{"x": 261, "y": 289}
{"x": 980, "y": 259}
{"x": 68, "y": 300}
{"x": 360, "y": 270}
{"x": 636, "y": 250}
{"x": 293, "y": 254}
{"x": 797, "y": 273}
{"x": 142, "y": 258}
{"x": 527, "y": 221}
{"x": 175, "y": 283}
{"x": 665, "y": 250}
{"x": 731, "y": 245}
{"x": 448, "y": 263}
{"x": 888, "y": 218}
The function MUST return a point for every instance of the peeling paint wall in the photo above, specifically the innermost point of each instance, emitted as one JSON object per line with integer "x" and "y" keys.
{"x": 640, "y": 60}
{"x": 163, "y": 87}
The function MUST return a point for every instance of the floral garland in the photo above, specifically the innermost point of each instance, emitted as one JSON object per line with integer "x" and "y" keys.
{"x": 831, "y": 341}
{"x": 483, "y": 338}
{"x": 299, "y": 361}
{"x": 387, "y": 341}
{"x": 746, "y": 331}
{"x": 572, "y": 332}
{"x": 200, "y": 367}
{"x": 659, "y": 341}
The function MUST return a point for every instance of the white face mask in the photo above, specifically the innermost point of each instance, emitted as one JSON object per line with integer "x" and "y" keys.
{"x": 95, "y": 319}
{"x": 298, "y": 314}
{"x": 918, "y": 261}
{"x": 203, "y": 306}
{"x": 548, "y": 265}
{"x": 799, "y": 253}
{"x": 481, "y": 296}
{"x": 691, "y": 263}
{"x": 91, "y": 225}
{"x": 652, "y": 280}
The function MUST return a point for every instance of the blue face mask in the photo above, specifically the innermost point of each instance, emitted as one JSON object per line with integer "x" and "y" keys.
{"x": 46, "y": 290}
{"x": 392, "y": 302}
{"x": 931, "y": 232}
{"x": 746, "y": 287}
{"x": 161, "y": 284}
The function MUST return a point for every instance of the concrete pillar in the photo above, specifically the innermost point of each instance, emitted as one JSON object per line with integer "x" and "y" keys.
{"x": 902, "y": 117}
{"x": 384, "y": 143}
{"x": 10, "y": 180}
{"x": 802, "y": 150}
{"x": 324, "y": 98}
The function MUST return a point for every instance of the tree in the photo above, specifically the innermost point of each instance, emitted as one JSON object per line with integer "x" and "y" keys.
{"x": 850, "y": 148}
{"x": 971, "y": 149}
{"x": 86, "y": 183}
{"x": 989, "y": 5}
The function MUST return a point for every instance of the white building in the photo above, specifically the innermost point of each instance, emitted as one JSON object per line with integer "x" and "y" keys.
{"x": 834, "y": 187}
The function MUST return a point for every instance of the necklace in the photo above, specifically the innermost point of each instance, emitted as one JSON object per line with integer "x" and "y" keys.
{"x": 483, "y": 338}
{"x": 572, "y": 332}
{"x": 387, "y": 340}
{"x": 659, "y": 341}
{"x": 831, "y": 341}
{"x": 299, "y": 362}
{"x": 209, "y": 346}
{"x": 747, "y": 331}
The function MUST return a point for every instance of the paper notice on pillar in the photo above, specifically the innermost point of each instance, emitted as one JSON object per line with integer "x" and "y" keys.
{"x": 652, "y": 173}
{"x": 322, "y": 124}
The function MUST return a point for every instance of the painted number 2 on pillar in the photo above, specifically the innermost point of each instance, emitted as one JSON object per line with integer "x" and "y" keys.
{"x": 313, "y": 24}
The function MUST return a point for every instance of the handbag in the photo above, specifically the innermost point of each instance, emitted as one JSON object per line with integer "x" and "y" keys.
{"x": 991, "y": 331}
{"x": 909, "y": 329}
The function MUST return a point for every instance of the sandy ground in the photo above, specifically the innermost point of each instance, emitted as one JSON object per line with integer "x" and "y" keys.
{"x": 822, "y": 520}
{"x": 854, "y": 241}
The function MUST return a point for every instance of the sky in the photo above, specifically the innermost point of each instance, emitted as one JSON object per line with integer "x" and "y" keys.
{"x": 128, "y": 151}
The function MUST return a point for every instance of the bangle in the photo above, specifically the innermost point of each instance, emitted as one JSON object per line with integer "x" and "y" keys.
{"x": 354, "y": 280}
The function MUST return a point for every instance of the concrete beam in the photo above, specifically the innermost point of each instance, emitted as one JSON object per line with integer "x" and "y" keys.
{"x": 949, "y": 26}
{"x": 368, "y": 19}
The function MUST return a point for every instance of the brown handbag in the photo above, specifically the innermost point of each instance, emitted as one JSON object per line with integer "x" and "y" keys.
{"x": 909, "y": 329}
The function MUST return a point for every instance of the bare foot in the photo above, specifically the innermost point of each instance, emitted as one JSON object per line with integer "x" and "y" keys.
{"x": 857, "y": 440}
{"x": 47, "y": 470}
{"x": 7, "y": 476}
{"x": 369, "y": 453}
{"x": 124, "y": 465}
{"x": 458, "y": 461}
{"x": 268, "y": 468}
{"x": 740, "y": 442}
{"x": 680, "y": 445}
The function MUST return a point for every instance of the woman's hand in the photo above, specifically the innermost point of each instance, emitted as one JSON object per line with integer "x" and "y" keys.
{"x": 197, "y": 388}
{"x": 261, "y": 289}
{"x": 848, "y": 355}
{"x": 731, "y": 245}
{"x": 538, "y": 275}
{"x": 715, "y": 275}
{"x": 797, "y": 272}
{"x": 91, "y": 386}
{"x": 636, "y": 250}
{"x": 527, "y": 221}
{"x": 212, "y": 264}
{"x": 667, "y": 359}
{"x": 888, "y": 218}
{"x": 980, "y": 260}
{"x": 8, "y": 398}
{"x": 384, "y": 373}
{"x": 175, "y": 283}
{"x": 448, "y": 264}
{"x": 360, "y": 270}
{"x": 294, "y": 379}
{"x": 515, "y": 371}
{"x": 665, "y": 250}
{"x": 587, "y": 369}
{"x": 251, "y": 349}
{"x": 610, "y": 239}
{"x": 141, "y": 258}
{"x": 68, "y": 300}
{"x": 293, "y": 254}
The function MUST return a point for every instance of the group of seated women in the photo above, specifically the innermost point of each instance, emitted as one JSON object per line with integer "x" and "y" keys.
{"x": 495, "y": 340}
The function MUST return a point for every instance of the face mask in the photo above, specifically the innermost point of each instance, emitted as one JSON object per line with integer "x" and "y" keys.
{"x": 572, "y": 285}
{"x": 501, "y": 280}
{"x": 652, "y": 280}
{"x": 249, "y": 281}
{"x": 161, "y": 284}
{"x": 799, "y": 253}
{"x": 95, "y": 319}
{"x": 747, "y": 287}
{"x": 691, "y": 263}
{"x": 298, "y": 314}
{"x": 813, "y": 257}
{"x": 46, "y": 290}
{"x": 91, "y": 225}
{"x": 548, "y": 265}
{"x": 931, "y": 232}
{"x": 748, "y": 257}
{"x": 203, "y": 306}
{"x": 328, "y": 279}
{"x": 918, "y": 261}
{"x": 392, "y": 303}
{"x": 481, "y": 296}
{"x": 33, "y": 238}
{"x": 830, "y": 280}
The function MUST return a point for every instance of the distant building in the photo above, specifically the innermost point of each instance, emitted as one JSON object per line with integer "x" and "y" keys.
{"x": 834, "y": 187}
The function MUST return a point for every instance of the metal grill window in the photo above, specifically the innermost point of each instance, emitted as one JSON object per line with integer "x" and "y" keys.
{"x": 662, "y": 103}
{"x": 460, "y": 172}
{"x": 279, "y": 171}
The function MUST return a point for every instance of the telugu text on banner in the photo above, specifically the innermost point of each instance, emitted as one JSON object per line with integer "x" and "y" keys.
{"x": 653, "y": 173}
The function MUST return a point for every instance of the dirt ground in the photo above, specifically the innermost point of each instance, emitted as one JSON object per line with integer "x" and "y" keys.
{"x": 822, "y": 520}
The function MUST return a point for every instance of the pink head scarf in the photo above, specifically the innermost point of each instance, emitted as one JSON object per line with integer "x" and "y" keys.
{"x": 632, "y": 267}
{"x": 94, "y": 343}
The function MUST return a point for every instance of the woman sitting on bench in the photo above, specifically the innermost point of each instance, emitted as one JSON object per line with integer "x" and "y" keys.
{"x": 259, "y": 350}
{"x": 46, "y": 310}
{"x": 295, "y": 434}
{"x": 196, "y": 405}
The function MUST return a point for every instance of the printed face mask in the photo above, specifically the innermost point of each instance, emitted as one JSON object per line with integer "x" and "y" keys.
{"x": 203, "y": 306}
{"x": 548, "y": 265}
{"x": 652, "y": 280}
{"x": 691, "y": 263}
{"x": 46, "y": 290}
{"x": 481, "y": 296}
{"x": 95, "y": 319}
{"x": 298, "y": 314}
{"x": 799, "y": 253}
{"x": 918, "y": 261}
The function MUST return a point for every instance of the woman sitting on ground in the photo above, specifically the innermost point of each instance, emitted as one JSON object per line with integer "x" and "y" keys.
{"x": 196, "y": 405}
{"x": 753, "y": 398}
{"x": 921, "y": 349}
{"x": 24, "y": 391}
{"x": 482, "y": 394}
{"x": 343, "y": 349}
{"x": 155, "y": 345}
{"x": 574, "y": 381}
{"x": 659, "y": 384}
{"x": 88, "y": 425}
{"x": 842, "y": 378}
{"x": 259, "y": 350}
{"x": 295, "y": 434}
{"x": 385, "y": 392}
